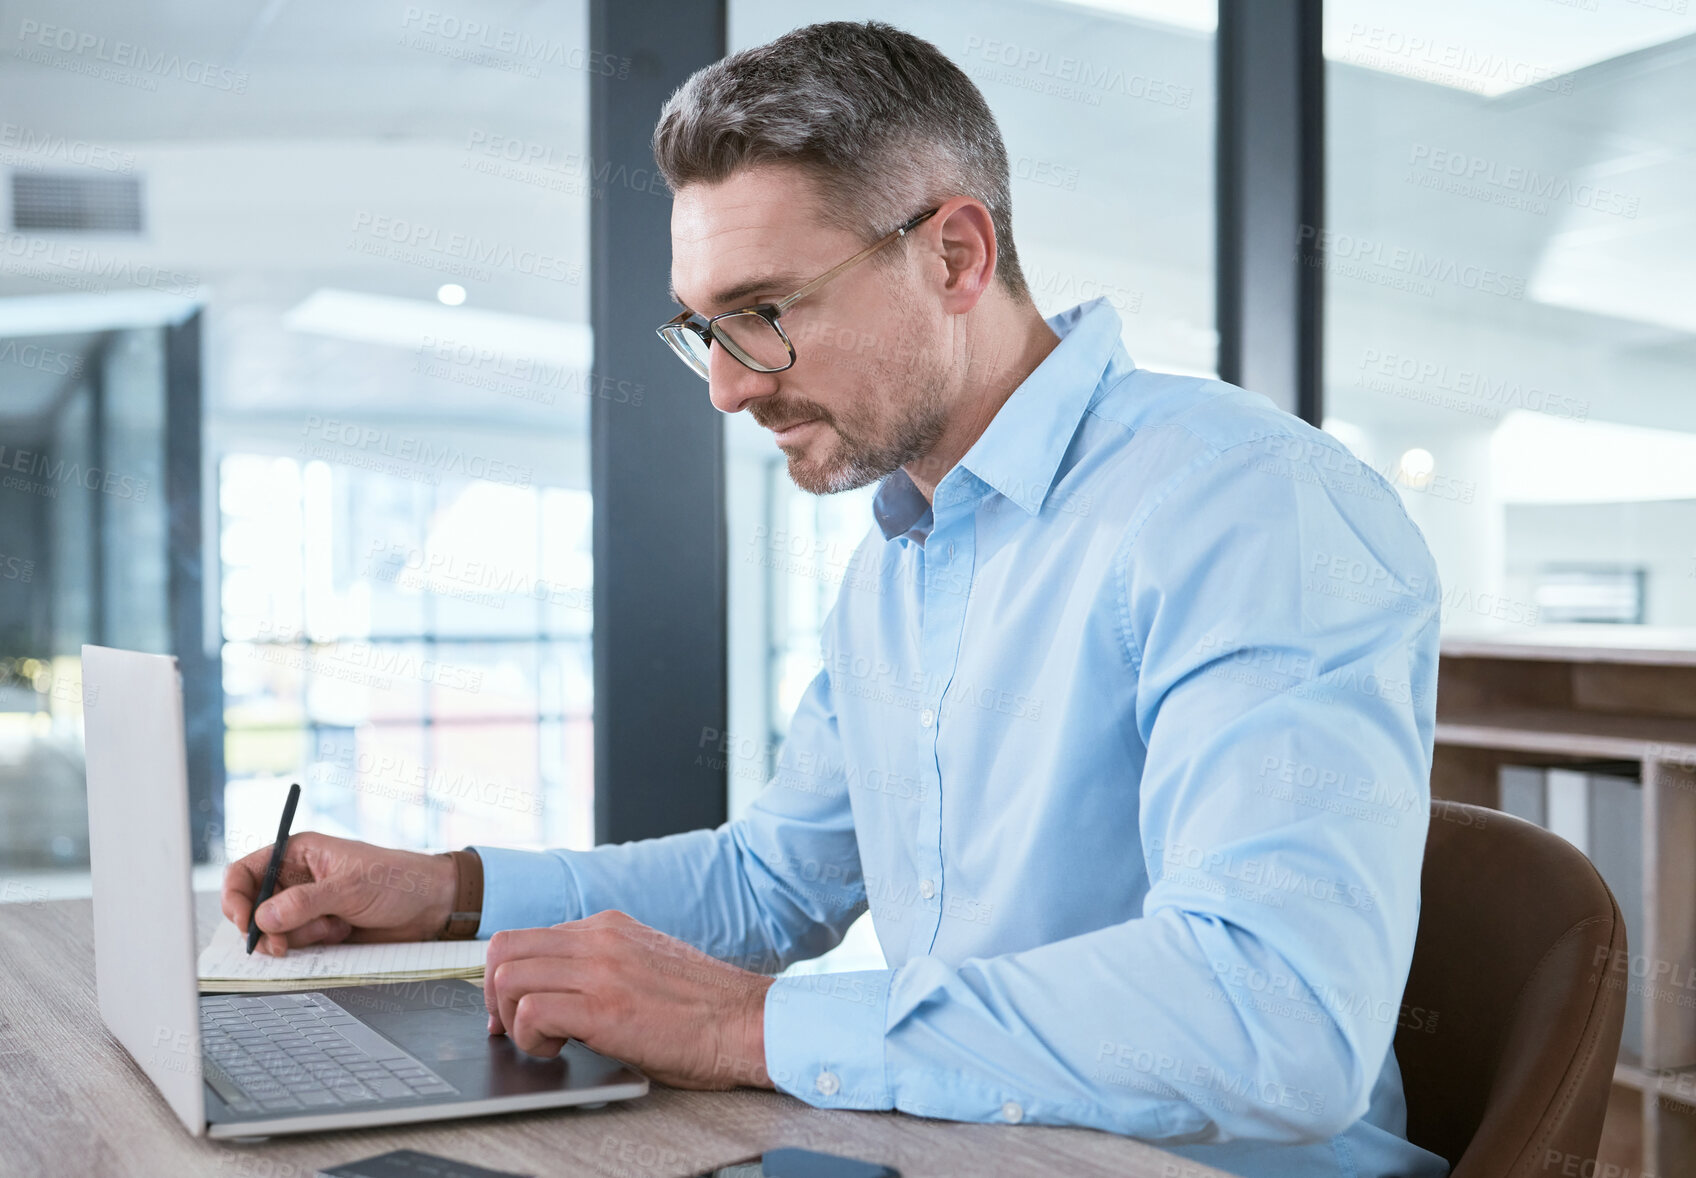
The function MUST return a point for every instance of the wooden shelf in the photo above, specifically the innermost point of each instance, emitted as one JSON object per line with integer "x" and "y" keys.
{"x": 1576, "y": 693}
{"x": 1569, "y": 733}
{"x": 1660, "y": 646}
{"x": 1678, "y": 1086}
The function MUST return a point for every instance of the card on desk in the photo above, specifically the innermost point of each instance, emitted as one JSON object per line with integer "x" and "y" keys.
{"x": 410, "y": 1163}
{"x": 226, "y": 966}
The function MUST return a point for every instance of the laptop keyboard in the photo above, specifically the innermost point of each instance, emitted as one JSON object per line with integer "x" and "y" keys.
{"x": 299, "y": 1052}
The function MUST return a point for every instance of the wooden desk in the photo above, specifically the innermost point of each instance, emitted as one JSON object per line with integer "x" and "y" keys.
{"x": 73, "y": 1103}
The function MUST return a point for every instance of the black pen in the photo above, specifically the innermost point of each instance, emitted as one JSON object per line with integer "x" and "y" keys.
{"x": 272, "y": 868}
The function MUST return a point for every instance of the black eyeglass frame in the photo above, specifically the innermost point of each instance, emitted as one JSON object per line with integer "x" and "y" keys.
{"x": 709, "y": 331}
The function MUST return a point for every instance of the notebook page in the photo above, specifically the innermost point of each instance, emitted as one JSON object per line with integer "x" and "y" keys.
{"x": 226, "y": 959}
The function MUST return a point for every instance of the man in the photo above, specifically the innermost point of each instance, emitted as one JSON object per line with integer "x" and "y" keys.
{"x": 1124, "y": 727}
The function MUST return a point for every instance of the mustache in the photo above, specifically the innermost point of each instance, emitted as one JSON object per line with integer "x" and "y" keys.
{"x": 782, "y": 417}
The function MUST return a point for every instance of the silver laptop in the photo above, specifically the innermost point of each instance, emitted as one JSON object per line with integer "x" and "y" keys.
{"x": 253, "y": 1065}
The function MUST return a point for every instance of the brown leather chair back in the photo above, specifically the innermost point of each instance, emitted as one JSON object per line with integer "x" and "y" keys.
{"x": 1511, "y": 1018}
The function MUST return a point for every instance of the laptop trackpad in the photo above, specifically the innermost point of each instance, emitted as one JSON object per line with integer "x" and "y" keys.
{"x": 445, "y": 1024}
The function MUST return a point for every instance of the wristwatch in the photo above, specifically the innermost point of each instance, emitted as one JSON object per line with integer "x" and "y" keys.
{"x": 467, "y": 911}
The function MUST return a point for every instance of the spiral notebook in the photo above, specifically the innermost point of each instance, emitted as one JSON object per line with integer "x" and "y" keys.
{"x": 226, "y": 967}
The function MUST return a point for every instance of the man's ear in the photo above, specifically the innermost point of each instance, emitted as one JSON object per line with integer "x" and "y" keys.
{"x": 965, "y": 237}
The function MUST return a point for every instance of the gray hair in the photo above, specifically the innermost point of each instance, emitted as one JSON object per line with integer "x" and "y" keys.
{"x": 880, "y": 119}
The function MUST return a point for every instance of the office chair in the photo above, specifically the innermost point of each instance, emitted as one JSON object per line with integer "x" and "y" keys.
{"x": 1511, "y": 1018}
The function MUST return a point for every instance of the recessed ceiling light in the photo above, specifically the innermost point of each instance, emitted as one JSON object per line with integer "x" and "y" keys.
{"x": 491, "y": 336}
{"x": 1417, "y": 466}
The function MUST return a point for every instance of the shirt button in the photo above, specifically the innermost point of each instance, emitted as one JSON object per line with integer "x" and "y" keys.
{"x": 827, "y": 1084}
{"x": 1012, "y": 1113}
{"x": 927, "y": 889}
{"x": 927, "y": 717}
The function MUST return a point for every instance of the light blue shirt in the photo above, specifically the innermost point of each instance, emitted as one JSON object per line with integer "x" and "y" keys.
{"x": 1126, "y": 744}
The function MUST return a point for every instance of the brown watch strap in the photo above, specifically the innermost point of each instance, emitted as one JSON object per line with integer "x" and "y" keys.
{"x": 467, "y": 911}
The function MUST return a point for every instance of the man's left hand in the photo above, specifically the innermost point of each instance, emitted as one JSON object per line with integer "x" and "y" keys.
{"x": 631, "y": 992}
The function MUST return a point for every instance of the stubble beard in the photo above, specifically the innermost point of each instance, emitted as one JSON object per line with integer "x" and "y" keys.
{"x": 862, "y": 452}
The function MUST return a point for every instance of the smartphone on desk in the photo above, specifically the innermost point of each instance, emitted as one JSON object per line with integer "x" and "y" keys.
{"x": 801, "y": 1163}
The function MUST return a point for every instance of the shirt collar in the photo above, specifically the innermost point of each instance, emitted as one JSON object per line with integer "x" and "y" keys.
{"x": 1021, "y": 449}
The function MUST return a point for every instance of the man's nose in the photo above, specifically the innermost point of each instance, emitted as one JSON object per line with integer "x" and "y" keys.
{"x": 732, "y": 384}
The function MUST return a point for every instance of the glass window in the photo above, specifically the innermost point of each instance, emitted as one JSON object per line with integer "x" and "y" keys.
{"x": 381, "y": 216}
{"x": 82, "y": 559}
{"x": 404, "y": 648}
{"x": 1510, "y": 324}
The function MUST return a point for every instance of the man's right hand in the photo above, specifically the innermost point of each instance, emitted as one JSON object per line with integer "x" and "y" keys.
{"x": 331, "y": 890}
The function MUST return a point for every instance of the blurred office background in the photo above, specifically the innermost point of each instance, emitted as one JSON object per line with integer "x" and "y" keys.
{"x": 297, "y": 374}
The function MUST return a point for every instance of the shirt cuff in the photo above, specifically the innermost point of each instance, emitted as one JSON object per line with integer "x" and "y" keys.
{"x": 525, "y": 889}
{"x": 824, "y": 1038}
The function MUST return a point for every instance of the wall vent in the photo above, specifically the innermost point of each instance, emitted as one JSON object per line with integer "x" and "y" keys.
{"x": 68, "y": 202}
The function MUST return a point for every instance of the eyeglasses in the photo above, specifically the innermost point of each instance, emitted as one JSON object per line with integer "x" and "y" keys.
{"x": 753, "y": 334}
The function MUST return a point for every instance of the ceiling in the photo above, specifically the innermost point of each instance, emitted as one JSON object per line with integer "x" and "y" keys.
{"x": 351, "y": 116}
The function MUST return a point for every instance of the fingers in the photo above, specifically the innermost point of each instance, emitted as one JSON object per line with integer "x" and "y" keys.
{"x": 244, "y": 877}
{"x": 237, "y": 902}
{"x": 294, "y": 909}
{"x": 513, "y": 980}
{"x": 322, "y": 930}
{"x": 537, "y": 1003}
{"x": 539, "y": 1021}
{"x": 512, "y": 945}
